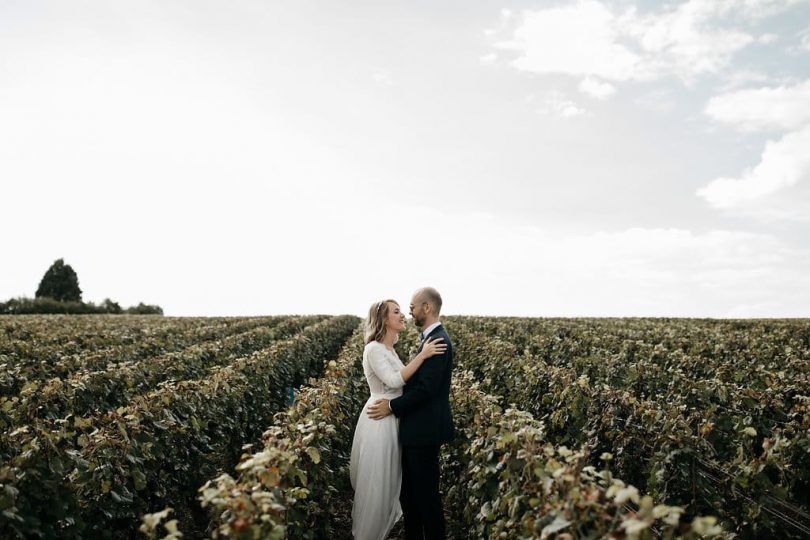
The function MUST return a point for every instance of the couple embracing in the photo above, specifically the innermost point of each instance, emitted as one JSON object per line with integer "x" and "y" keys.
{"x": 395, "y": 454}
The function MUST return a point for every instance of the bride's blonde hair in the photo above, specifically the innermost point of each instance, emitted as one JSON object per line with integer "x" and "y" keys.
{"x": 375, "y": 323}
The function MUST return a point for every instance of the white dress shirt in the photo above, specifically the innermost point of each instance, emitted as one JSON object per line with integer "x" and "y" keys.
{"x": 429, "y": 329}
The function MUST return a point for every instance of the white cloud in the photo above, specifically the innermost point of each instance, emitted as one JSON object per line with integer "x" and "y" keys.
{"x": 686, "y": 41}
{"x": 652, "y": 272}
{"x": 681, "y": 269}
{"x": 488, "y": 58}
{"x": 557, "y": 104}
{"x": 581, "y": 39}
{"x": 383, "y": 78}
{"x": 767, "y": 39}
{"x": 588, "y": 38}
{"x": 775, "y": 188}
{"x": 778, "y": 187}
{"x": 744, "y": 77}
{"x": 498, "y": 267}
{"x": 596, "y": 89}
{"x": 782, "y": 107}
{"x": 804, "y": 40}
{"x": 661, "y": 100}
{"x": 272, "y": 259}
{"x": 754, "y": 9}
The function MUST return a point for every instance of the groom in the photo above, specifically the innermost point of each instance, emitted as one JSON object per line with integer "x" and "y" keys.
{"x": 425, "y": 423}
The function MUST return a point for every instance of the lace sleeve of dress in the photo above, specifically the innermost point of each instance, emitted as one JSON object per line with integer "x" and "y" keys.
{"x": 383, "y": 369}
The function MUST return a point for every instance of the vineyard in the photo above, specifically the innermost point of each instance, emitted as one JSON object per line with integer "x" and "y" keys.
{"x": 569, "y": 428}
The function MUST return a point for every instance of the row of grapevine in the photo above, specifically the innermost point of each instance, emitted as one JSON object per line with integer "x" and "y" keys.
{"x": 31, "y": 339}
{"x": 90, "y": 332}
{"x": 87, "y": 393}
{"x": 92, "y": 477}
{"x": 31, "y": 361}
{"x": 687, "y": 450}
{"x": 769, "y": 359}
{"x": 517, "y": 484}
{"x": 501, "y": 476}
{"x": 290, "y": 488}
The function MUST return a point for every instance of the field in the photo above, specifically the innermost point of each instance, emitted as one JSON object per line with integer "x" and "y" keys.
{"x": 569, "y": 428}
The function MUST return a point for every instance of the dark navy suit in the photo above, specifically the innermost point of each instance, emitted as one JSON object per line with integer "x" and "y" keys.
{"x": 425, "y": 423}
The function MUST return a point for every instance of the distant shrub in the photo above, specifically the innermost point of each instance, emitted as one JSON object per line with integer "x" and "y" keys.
{"x": 111, "y": 307}
{"x": 144, "y": 309}
{"x": 43, "y": 306}
{"x": 36, "y": 306}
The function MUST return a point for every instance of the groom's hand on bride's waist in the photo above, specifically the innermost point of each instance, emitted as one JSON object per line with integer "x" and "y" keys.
{"x": 379, "y": 409}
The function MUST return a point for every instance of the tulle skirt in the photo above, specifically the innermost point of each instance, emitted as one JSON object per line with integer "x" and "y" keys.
{"x": 376, "y": 475}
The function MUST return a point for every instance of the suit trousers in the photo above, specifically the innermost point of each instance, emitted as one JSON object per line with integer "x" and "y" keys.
{"x": 419, "y": 495}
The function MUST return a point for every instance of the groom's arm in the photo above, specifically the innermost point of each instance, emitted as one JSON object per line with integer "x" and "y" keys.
{"x": 429, "y": 384}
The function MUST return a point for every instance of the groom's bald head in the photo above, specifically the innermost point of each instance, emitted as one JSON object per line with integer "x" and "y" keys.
{"x": 431, "y": 296}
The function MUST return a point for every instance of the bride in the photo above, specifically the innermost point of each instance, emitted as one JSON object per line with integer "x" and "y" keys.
{"x": 375, "y": 467}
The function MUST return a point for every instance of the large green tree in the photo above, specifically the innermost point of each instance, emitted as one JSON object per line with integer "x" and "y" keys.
{"x": 61, "y": 283}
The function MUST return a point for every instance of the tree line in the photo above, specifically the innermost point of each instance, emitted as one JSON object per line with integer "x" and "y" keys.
{"x": 59, "y": 292}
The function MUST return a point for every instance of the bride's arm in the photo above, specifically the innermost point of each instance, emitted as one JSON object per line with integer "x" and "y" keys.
{"x": 382, "y": 368}
{"x": 432, "y": 348}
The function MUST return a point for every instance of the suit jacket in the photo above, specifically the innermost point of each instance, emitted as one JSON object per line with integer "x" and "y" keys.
{"x": 424, "y": 406}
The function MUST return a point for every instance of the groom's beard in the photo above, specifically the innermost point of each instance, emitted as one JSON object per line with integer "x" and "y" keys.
{"x": 420, "y": 322}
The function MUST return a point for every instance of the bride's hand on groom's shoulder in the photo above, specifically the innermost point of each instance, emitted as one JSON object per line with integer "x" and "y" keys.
{"x": 434, "y": 347}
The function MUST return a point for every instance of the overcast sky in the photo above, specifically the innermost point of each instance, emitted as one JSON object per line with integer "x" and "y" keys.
{"x": 554, "y": 158}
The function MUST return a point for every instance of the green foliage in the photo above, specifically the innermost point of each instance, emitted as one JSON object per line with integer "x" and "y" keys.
{"x": 88, "y": 392}
{"x": 61, "y": 283}
{"x": 37, "y": 351}
{"x": 144, "y": 309}
{"x": 700, "y": 414}
{"x": 46, "y": 305}
{"x": 158, "y": 449}
{"x": 568, "y": 428}
{"x": 517, "y": 484}
{"x": 502, "y": 478}
{"x": 290, "y": 487}
{"x": 150, "y": 525}
{"x": 113, "y": 307}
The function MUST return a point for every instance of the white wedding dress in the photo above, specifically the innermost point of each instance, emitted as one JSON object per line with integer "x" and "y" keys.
{"x": 376, "y": 467}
